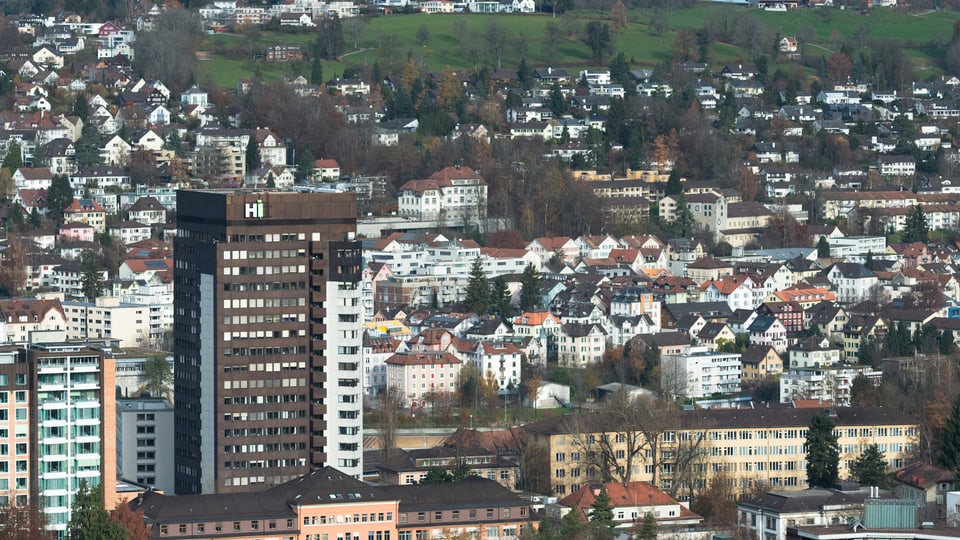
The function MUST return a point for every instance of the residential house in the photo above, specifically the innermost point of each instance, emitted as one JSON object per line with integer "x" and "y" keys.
{"x": 768, "y": 330}
{"x": 581, "y": 344}
{"x": 86, "y": 211}
{"x": 759, "y": 362}
{"x": 147, "y": 210}
{"x": 454, "y": 193}
{"x": 927, "y": 485}
{"x": 853, "y": 282}
{"x": 814, "y": 352}
{"x": 631, "y": 502}
{"x": 129, "y": 232}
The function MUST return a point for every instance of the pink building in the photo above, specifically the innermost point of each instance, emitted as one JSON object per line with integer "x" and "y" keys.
{"x": 77, "y": 231}
{"x": 418, "y": 374}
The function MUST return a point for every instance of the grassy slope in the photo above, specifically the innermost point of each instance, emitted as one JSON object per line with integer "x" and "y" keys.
{"x": 443, "y": 48}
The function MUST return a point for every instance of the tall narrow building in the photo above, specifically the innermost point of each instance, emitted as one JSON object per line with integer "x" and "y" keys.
{"x": 73, "y": 424}
{"x": 267, "y": 340}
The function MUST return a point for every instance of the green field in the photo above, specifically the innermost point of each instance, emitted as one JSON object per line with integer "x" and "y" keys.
{"x": 391, "y": 40}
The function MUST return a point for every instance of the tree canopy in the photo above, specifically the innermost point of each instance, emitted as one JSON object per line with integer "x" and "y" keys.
{"x": 823, "y": 452}
{"x": 870, "y": 468}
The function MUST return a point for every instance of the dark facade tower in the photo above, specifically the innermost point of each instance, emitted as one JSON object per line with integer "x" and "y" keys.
{"x": 266, "y": 338}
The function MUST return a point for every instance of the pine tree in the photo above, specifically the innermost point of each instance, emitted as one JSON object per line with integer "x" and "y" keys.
{"x": 14, "y": 158}
{"x": 316, "y": 70}
{"x": 40, "y": 157}
{"x": 173, "y": 141}
{"x": 916, "y": 229}
{"x": 601, "y": 511}
{"x": 477, "y": 296}
{"x": 89, "y": 519}
{"x": 674, "y": 187}
{"x": 570, "y": 525}
{"x": 90, "y": 279}
{"x": 823, "y": 248}
{"x": 530, "y": 294}
{"x": 558, "y": 104}
{"x": 868, "y": 263}
{"x": 950, "y": 439}
{"x": 59, "y": 196}
{"x": 500, "y": 298}
{"x": 823, "y": 453}
{"x": 88, "y": 147}
{"x": 683, "y": 224}
{"x": 648, "y": 529}
{"x": 870, "y": 468}
{"x": 524, "y": 74}
{"x": 252, "y": 156}
{"x": 946, "y": 342}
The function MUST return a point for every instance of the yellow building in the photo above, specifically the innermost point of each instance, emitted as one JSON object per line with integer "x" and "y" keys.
{"x": 691, "y": 447}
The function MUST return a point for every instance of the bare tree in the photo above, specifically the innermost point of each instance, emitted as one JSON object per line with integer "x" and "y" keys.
{"x": 388, "y": 412}
{"x": 13, "y": 268}
{"x": 627, "y": 432}
{"x": 168, "y": 51}
{"x": 22, "y": 520}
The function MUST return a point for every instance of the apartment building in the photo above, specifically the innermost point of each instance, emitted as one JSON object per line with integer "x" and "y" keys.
{"x": 15, "y": 418}
{"x": 417, "y": 374}
{"x": 267, "y": 338}
{"x": 454, "y": 193}
{"x": 145, "y": 442}
{"x": 749, "y": 445}
{"x": 700, "y": 372}
{"x": 74, "y": 425}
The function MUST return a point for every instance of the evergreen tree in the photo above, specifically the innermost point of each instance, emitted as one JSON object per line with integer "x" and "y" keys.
{"x": 916, "y": 229}
{"x": 252, "y": 156}
{"x": 34, "y": 217}
{"x": 305, "y": 166}
{"x": 870, "y": 468}
{"x": 40, "y": 157}
{"x": 648, "y": 529}
{"x": 80, "y": 107}
{"x": 950, "y": 439}
{"x": 684, "y": 223}
{"x": 601, "y": 512}
{"x": 558, "y": 104}
{"x": 530, "y": 294}
{"x": 90, "y": 278}
{"x": 88, "y": 147}
{"x": 89, "y": 519}
{"x": 946, "y": 342}
{"x": 524, "y": 74}
{"x": 500, "y": 298}
{"x": 14, "y": 158}
{"x": 823, "y": 247}
{"x": 59, "y": 196}
{"x": 674, "y": 187}
{"x": 173, "y": 141}
{"x": 868, "y": 263}
{"x": 570, "y": 525}
{"x": 477, "y": 296}
{"x": 620, "y": 71}
{"x": 823, "y": 453}
{"x": 316, "y": 70}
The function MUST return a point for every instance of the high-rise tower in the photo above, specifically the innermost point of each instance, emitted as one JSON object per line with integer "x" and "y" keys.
{"x": 267, "y": 338}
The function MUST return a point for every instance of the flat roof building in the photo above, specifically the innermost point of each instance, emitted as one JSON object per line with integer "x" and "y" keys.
{"x": 267, "y": 338}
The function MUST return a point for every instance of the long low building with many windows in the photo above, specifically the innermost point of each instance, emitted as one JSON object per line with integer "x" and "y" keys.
{"x": 681, "y": 451}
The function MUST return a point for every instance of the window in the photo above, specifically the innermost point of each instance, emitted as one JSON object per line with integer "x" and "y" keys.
{"x": 236, "y": 525}
{"x": 421, "y": 516}
{"x": 438, "y": 516}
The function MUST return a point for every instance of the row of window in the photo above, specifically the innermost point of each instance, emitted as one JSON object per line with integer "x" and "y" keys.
{"x": 372, "y": 517}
